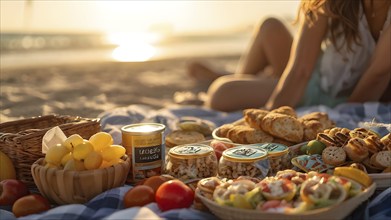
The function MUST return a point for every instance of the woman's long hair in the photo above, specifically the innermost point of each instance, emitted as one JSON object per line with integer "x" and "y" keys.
{"x": 344, "y": 15}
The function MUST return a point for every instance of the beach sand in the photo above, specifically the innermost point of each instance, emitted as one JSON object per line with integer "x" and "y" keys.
{"x": 89, "y": 89}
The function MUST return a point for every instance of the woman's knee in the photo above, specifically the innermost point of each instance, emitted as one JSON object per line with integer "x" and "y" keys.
{"x": 270, "y": 25}
{"x": 219, "y": 93}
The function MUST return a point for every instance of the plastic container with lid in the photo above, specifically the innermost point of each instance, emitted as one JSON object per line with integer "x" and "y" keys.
{"x": 191, "y": 161}
{"x": 244, "y": 160}
{"x": 278, "y": 155}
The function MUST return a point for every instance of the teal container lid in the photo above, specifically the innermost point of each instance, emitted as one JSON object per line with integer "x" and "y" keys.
{"x": 245, "y": 153}
{"x": 273, "y": 149}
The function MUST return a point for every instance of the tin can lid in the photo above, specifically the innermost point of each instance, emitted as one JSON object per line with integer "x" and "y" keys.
{"x": 245, "y": 153}
{"x": 273, "y": 149}
{"x": 143, "y": 128}
{"x": 190, "y": 150}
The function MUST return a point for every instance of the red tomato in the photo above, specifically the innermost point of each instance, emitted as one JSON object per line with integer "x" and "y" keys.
{"x": 139, "y": 196}
{"x": 218, "y": 147}
{"x": 174, "y": 194}
{"x": 30, "y": 204}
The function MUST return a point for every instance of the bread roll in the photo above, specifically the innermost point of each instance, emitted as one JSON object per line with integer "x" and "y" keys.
{"x": 246, "y": 135}
{"x": 253, "y": 117}
{"x": 314, "y": 123}
{"x": 386, "y": 141}
{"x": 223, "y": 130}
{"x": 356, "y": 149}
{"x": 381, "y": 159}
{"x": 374, "y": 144}
{"x": 283, "y": 126}
{"x": 285, "y": 110}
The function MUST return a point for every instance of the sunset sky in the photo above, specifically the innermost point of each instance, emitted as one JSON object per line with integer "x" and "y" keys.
{"x": 138, "y": 16}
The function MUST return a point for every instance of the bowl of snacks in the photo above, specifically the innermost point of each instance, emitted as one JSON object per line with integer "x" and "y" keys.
{"x": 77, "y": 170}
{"x": 287, "y": 195}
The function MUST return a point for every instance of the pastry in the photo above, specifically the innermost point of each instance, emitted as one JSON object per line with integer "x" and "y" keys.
{"x": 326, "y": 139}
{"x": 314, "y": 123}
{"x": 333, "y": 156}
{"x": 253, "y": 117}
{"x": 359, "y": 166}
{"x": 361, "y": 133}
{"x": 311, "y": 129}
{"x": 283, "y": 126}
{"x": 179, "y": 137}
{"x": 246, "y": 135}
{"x": 381, "y": 159}
{"x": 386, "y": 141}
{"x": 285, "y": 110}
{"x": 356, "y": 149}
{"x": 374, "y": 144}
{"x": 223, "y": 130}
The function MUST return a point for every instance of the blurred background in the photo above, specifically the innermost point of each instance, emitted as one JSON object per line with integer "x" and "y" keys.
{"x": 42, "y": 32}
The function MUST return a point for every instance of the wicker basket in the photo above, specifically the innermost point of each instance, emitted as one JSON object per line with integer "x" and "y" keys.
{"x": 21, "y": 140}
{"x": 69, "y": 187}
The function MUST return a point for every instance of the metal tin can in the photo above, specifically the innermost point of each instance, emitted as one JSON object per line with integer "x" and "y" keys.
{"x": 144, "y": 144}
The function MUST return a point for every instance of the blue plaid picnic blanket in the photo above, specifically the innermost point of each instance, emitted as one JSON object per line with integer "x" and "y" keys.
{"x": 109, "y": 205}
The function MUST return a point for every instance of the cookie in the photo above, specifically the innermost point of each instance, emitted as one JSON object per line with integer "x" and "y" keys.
{"x": 333, "y": 156}
{"x": 180, "y": 137}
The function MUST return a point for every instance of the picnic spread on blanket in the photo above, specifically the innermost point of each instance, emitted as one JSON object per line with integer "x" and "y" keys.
{"x": 191, "y": 162}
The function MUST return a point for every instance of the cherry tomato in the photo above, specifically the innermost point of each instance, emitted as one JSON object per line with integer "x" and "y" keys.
{"x": 139, "y": 196}
{"x": 30, "y": 204}
{"x": 218, "y": 147}
{"x": 174, "y": 194}
{"x": 155, "y": 181}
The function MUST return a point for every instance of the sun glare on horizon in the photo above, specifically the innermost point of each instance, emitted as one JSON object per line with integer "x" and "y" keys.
{"x": 133, "y": 47}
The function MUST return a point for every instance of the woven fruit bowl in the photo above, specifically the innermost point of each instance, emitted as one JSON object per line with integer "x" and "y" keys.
{"x": 69, "y": 187}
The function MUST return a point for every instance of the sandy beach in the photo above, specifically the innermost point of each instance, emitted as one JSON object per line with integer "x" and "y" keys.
{"x": 89, "y": 89}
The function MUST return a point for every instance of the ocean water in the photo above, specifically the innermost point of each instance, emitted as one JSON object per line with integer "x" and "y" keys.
{"x": 27, "y": 50}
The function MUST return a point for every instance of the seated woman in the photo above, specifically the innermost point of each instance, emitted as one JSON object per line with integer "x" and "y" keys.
{"x": 341, "y": 53}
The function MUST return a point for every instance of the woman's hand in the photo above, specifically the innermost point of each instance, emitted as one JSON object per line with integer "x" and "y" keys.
{"x": 377, "y": 77}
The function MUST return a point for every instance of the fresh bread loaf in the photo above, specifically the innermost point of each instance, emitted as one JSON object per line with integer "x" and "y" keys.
{"x": 253, "y": 117}
{"x": 243, "y": 134}
{"x": 283, "y": 126}
{"x": 314, "y": 123}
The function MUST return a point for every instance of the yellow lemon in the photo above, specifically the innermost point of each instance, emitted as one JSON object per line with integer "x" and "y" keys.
{"x": 7, "y": 169}
{"x": 354, "y": 174}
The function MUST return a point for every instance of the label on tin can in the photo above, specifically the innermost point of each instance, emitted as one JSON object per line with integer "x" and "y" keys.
{"x": 144, "y": 144}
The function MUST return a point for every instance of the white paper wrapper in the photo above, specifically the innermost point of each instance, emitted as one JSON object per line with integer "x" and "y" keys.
{"x": 52, "y": 137}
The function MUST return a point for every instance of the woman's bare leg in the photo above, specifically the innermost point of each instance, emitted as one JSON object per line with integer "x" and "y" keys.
{"x": 271, "y": 46}
{"x": 231, "y": 93}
